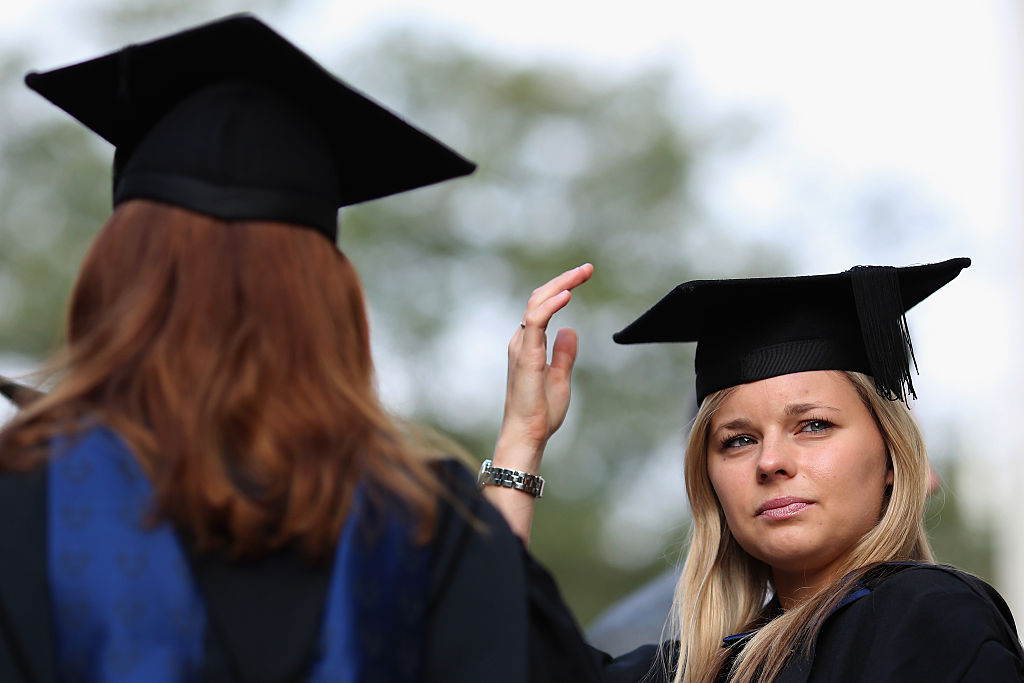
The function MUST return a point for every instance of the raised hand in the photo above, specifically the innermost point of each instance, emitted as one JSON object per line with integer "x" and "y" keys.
{"x": 537, "y": 392}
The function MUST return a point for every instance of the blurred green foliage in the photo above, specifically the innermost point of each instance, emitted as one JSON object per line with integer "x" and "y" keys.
{"x": 956, "y": 537}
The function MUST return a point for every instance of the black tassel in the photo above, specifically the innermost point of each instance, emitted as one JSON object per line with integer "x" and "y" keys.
{"x": 883, "y": 323}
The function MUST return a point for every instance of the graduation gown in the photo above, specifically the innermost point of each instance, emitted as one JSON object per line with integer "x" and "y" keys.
{"x": 915, "y": 623}
{"x": 492, "y": 614}
{"x": 904, "y": 623}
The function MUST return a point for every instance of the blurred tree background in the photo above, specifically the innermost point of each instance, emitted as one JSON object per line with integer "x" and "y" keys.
{"x": 575, "y": 166}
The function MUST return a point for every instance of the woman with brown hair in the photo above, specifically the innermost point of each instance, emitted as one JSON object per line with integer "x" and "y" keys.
{"x": 807, "y": 477}
{"x": 213, "y": 490}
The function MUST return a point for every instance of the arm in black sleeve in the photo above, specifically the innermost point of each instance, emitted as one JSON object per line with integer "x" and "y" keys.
{"x": 477, "y": 623}
{"x": 497, "y": 615}
{"x": 563, "y": 652}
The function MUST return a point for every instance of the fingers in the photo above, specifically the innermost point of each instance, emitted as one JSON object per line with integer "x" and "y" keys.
{"x": 563, "y": 354}
{"x": 540, "y": 316}
{"x": 535, "y": 323}
{"x": 544, "y": 302}
{"x": 566, "y": 281}
{"x": 550, "y": 297}
{"x": 537, "y": 393}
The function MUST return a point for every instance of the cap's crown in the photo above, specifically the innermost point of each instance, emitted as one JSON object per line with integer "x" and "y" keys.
{"x": 755, "y": 328}
{"x": 231, "y": 119}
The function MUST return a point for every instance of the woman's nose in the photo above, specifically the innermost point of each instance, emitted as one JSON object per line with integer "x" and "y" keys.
{"x": 775, "y": 459}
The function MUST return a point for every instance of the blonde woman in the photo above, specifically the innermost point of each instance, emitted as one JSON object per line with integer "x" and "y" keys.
{"x": 807, "y": 478}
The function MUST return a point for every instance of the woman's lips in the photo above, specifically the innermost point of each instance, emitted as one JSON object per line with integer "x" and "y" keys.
{"x": 783, "y": 508}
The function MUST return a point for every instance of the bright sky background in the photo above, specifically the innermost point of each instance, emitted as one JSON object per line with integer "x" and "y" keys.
{"x": 849, "y": 96}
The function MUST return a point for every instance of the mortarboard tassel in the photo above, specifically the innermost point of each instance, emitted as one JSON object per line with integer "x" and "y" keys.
{"x": 883, "y": 323}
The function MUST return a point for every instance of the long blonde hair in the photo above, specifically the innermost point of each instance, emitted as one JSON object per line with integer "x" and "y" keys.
{"x": 723, "y": 589}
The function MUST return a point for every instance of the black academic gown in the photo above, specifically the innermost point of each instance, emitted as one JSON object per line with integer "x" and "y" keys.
{"x": 916, "y": 623}
{"x": 496, "y": 615}
{"x": 903, "y": 624}
{"x": 493, "y": 614}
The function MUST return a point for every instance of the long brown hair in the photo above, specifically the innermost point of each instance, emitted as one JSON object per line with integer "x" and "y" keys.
{"x": 234, "y": 358}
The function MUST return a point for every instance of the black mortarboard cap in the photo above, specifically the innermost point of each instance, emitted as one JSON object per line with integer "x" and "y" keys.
{"x": 232, "y": 120}
{"x": 755, "y": 328}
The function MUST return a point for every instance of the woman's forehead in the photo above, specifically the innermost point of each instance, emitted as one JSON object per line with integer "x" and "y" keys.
{"x": 789, "y": 394}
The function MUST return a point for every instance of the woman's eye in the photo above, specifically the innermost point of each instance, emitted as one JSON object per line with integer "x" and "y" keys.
{"x": 816, "y": 426}
{"x": 737, "y": 441}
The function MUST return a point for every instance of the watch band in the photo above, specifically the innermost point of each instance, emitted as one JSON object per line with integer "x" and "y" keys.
{"x": 514, "y": 479}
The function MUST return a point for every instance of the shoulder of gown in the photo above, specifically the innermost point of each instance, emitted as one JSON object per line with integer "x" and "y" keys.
{"x": 917, "y": 623}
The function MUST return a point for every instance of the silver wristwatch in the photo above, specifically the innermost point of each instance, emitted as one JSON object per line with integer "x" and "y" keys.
{"x": 499, "y": 476}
